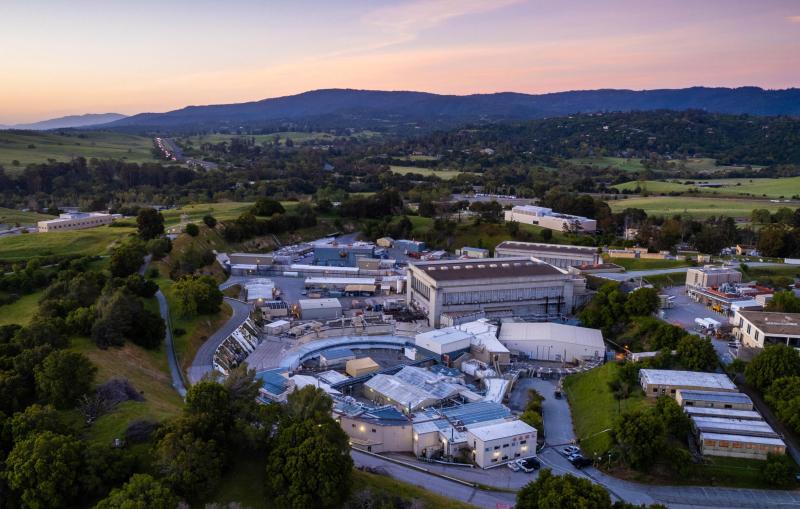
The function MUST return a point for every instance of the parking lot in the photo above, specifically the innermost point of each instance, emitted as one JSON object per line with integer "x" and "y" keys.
{"x": 683, "y": 312}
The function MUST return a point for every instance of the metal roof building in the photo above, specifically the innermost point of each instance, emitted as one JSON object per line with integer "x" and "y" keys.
{"x": 552, "y": 341}
{"x": 563, "y": 256}
{"x": 713, "y": 399}
{"x": 411, "y": 388}
{"x": 497, "y": 287}
{"x": 747, "y": 415}
{"x": 320, "y": 309}
{"x": 666, "y": 382}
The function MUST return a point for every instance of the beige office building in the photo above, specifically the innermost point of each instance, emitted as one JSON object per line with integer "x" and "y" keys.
{"x": 667, "y": 382}
{"x": 708, "y": 277}
{"x": 75, "y": 221}
{"x": 495, "y": 444}
{"x": 757, "y": 329}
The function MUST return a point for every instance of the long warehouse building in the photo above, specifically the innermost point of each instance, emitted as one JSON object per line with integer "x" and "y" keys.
{"x": 495, "y": 287}
{"x": 563, "y": 256}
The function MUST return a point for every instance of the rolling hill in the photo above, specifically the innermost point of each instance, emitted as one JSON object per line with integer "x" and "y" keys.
{"x": 70, "y": 121}
{"x": 401, "y": 110}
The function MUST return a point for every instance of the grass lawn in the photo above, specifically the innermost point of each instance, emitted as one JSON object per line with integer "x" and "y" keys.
{"x": 14, "y": 146}
{"x": 621, "y": 163}
{"x": 664, "y": 280}
{"x": 594, "y": 408}
{"x": 409, "y": 492}
{"x": 92, "y": 241}
{"x": 147, "y": 370}
{"x": 11, "y": 216}
{"x": 22, "y": 310}
{"x": 757, "y": 188}
{"x": 425, "y": 172}
{"x": 221, "y": 211}
{"x": 699, "y": 208}
{"x": 483, "y": 235}
{"x": 646, "y": 264}
{"x": 245, "y": 480}
{"x": 260, "y": 139}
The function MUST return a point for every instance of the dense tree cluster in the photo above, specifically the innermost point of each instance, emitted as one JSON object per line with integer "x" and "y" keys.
{"x": 197, "y": 295}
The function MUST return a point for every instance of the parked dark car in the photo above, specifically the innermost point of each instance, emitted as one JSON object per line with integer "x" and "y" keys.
{"x": 578, "y": 461}
{"x": 532, "y": 463}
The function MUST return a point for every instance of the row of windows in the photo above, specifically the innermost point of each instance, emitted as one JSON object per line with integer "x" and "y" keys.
{"x": 504, "y": 295}
{"x": 420, "y": 287}
{"x": 727, "y": 444}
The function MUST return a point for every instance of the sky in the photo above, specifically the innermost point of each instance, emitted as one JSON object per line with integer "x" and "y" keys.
{"x": 61, "y": 57}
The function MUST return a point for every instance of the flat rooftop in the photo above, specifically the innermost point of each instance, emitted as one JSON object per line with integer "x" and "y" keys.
{"x": 472, "y": 413}
{"x": 742, "y": 439}
{"x": 487, "y": 432}
{"x": 715, "y": 396}
{"x": 717, "y": 381}
{"x": 306, "y": 304}
{"x": 784, "y": 324}
{"x": 487, "y": 268}
{"x": 550, "y": 248}
{"x": 749, "y": 415}
{"x": 733, "y": 426}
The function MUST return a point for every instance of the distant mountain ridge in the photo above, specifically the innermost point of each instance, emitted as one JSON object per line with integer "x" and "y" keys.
{"x": 87, "y": 120}
{"x": 343, "y": 108}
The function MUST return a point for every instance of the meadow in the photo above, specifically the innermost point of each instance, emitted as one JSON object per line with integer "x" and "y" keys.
{"x": 699, "y": 164}
{"x": 776, "y": 188}
{"x": 11, "y": 216}
{"x": 93, "y": 241}
{"x": 425, "y": 172}
{"x": 696, "y": 207}
{"x": 20, "y": 148}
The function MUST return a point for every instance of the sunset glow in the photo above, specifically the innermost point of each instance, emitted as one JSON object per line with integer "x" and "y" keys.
{"x": 62, "y": 57}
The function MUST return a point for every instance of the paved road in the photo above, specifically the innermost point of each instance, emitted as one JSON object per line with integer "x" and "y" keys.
{"x": 635, "y": 274}
{"x": 202, "y": 362}
{"x": 174, "y": 369}
{"x": 449, "y": 489}
{"x": 558, "y": 420}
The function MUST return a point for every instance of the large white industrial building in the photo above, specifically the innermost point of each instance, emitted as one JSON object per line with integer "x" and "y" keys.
{"x": 546, "y": 218}
{"x": 563, "y": 256}
{"x": 495, "y": 287}
{"x": 552, "y": 341}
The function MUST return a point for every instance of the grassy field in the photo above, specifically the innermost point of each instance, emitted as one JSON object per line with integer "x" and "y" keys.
{"x": 483, "y": 235}
{"x": 296, "y": 137}
{"x": 11, "y": 216}
{"x": 613, "y": 162}
{"x": 761, "y": 188}
{"x": 646, "y": 264}
{"x": 425, "y": 172}
{"x": 22, "y": 310}
{"x": 196, "y": 211}
{"x": 594, "y": 407}
{"x": 147, "y": 371}
{"x": 695, "y": 207}
{"x": 93, "y": 241}
{"x": 29, "y": 147}
{"x": 244, "y": 482}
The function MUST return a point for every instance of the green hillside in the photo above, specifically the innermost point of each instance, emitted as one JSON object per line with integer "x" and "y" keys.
{"x": 20, "y": 148}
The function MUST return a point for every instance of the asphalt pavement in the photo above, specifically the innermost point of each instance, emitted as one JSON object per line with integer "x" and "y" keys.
{"x": 202, "y": 362}
{"x": 635, "y": 274}
{"x": 174, "y": 369}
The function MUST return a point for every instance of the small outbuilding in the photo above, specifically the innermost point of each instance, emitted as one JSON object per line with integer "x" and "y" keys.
{"x": 335, "y": 357}
{"x": 362, "y": 366}
{"x": 320, "y": 309}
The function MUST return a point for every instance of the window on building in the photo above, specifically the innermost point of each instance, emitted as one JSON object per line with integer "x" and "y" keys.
{"x": 373, "y": 430}
{"x": 523, "y": 442}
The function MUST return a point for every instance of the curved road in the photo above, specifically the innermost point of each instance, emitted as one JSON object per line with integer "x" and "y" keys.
{"x": 202, "y": 363}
